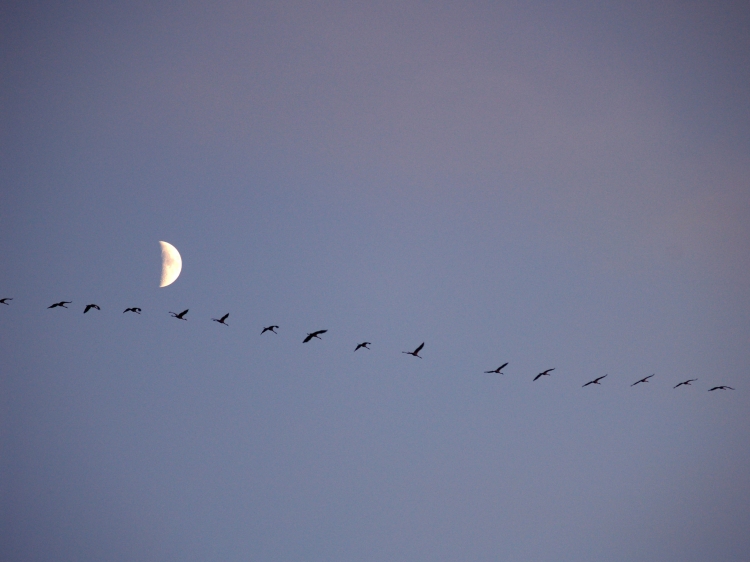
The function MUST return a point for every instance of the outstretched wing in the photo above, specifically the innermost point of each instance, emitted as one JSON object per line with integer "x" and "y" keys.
{"x": 308, "y": 338}
{"x": 421, "y": 345}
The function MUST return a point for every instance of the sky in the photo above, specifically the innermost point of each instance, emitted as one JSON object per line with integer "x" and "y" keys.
{"x": 550, "y": 184}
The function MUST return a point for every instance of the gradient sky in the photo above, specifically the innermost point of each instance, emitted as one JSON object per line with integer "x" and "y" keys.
{"x": 551, "y": 184}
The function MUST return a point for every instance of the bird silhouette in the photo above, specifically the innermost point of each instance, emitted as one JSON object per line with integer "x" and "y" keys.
{"x": 90, "y": 306}
{"x": 543, "y": 373}
{"x": 134, "y": 309}
{"x": 221, "y": 320}
{"x": 363, "y": 344}
{"x": 61, "y": 303}
{"x": 269, "y": 329}
{"x": 500, "y": 368}
{"x": 686, "y": 383}
{"x": 644, "y": 379}
{"x": 415, "y": 353}
{"x": 2, "y": 301}
{"x": 314, "y": 335}
{"x": 722, "y": 387}
{"x": 181, "y": 315}
{"x": 595, "y": 381}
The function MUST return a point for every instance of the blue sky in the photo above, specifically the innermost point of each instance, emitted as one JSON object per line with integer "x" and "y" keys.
{"x": 548, "y": 184}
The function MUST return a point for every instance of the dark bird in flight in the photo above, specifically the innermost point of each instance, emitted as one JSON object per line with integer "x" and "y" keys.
{"x": 500, "y": 368}
{"x": 644, "y": 379}
{"x": 269, "y": 329}
{"x": 686, "y": 383}
{"x": 543, "y": 373}
{"x": 90, "y": 306}
{"x": 61, "y": 303}
{"x": 314, "y": 335}
{"x": 363, "y": 344}
{"x": 722, "y": 387}
{"x": 6, "y": 299}
{"x": 134, "y": 309}
{"x": 221, "y": 320}
{"x": 415, "y": 353}
{"x": 181, "y": 315}
{"x": 595, "y": 381}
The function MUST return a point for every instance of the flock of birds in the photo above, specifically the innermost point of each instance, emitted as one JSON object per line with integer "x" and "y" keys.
{"x": 364, "y": 345}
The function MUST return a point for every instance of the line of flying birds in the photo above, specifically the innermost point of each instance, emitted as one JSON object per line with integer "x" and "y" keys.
{"x": 364, "y": 345}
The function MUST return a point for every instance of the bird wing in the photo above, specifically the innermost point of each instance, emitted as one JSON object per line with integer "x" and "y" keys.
{"x": 225, "y": 317}
{"x": 501, "y": 367}
{"x": 588, "y": 383}
{"x": 320, "y": 332}
{"x": 183, "y": 313}
{"x": 421, "y": 345}
{"x": 539, "y": 375}
{"x": 88, "y": 307}
{"x": 308, "y": 338}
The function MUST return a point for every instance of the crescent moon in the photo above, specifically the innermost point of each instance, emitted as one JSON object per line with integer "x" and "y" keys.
{"x": 171, "y": 264}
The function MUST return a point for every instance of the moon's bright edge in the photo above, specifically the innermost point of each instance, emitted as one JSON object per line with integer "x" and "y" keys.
{"x": 171, "y": 264}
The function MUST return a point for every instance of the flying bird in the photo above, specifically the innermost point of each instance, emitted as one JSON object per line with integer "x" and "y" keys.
{"x": 722, "y": 387}
{"x": 61, "y": 303}
{"x": 500, "y": 368}
{"x": 543, "y": 373}
{"x": 269, "y": 329}
{"x": 363, "y": 344}
{"x": 181, "y": 315}
{"x": 686, "y": 383}
{"x": 415, "y": 353}
{"x": 6, "y": 299}
{"x": 644, "y": 379}
{"x": 221, "y": 320}
{"x": 134, "y": 309}
{"x": 595, "y": 381}
{"x": 90, "y": 306}
{"x": 314, "y": 335}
